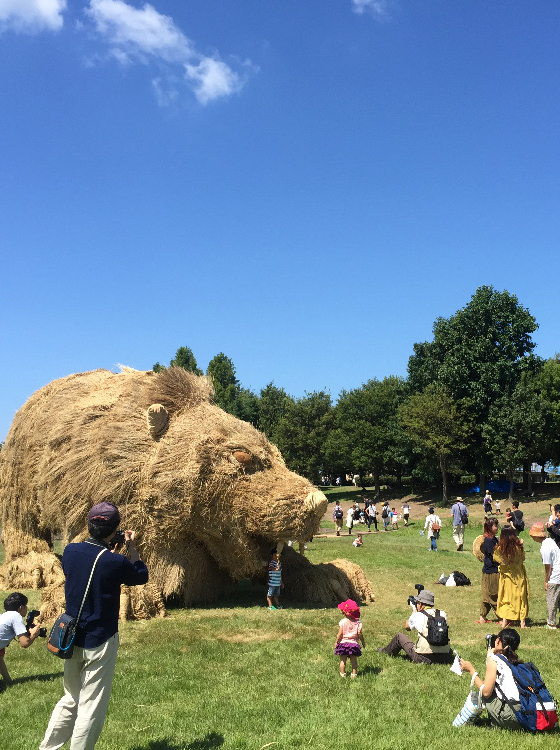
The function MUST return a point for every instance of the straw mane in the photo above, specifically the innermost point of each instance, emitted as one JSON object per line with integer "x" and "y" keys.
{"x": 207, "y": 493}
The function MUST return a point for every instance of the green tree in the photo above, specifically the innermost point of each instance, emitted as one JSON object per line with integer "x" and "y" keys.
{"x": 158, "y": 368}
{"x": 547, "y": 382}
{"x": 368, "y": 432}
{"x": 302, "y": 432}
{"x": 226, "y": 385}
{"x": 273, "y": 404}
{"x": 479, "y": 354}
{"x": 437, "y": 425}
{"x": 514, "y": 429}
{"x": 185, "y": 358}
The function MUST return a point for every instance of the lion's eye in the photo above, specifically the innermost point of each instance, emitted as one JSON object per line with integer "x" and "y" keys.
{"x": 244, "y": 458}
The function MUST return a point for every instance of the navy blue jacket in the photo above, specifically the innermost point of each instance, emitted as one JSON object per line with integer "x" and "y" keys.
{"x": 100, "y": 616}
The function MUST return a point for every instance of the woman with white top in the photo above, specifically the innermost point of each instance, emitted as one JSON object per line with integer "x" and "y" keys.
{"x": 433, "y": 524}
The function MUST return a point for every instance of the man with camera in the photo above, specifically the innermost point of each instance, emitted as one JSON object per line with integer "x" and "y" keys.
{"x": 13, "y": 626}
{"x": 432, "y": 644}
{"x": 88, "y": 674}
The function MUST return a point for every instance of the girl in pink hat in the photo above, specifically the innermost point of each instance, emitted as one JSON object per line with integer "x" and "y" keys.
{"x": 349, "y": 637}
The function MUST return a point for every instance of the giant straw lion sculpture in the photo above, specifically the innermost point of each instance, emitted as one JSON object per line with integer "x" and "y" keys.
{"x": 208, "y": 494}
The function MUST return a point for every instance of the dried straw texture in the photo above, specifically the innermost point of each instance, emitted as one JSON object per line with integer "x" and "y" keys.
{"x": 324, "y": 584}
{"x": 207, "y": 494}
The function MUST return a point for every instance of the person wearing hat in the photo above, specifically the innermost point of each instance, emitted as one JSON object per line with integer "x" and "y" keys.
{"x": 550, "y": 554}
{"x": 88, "y": 675}
{"x": 421, "y": 652}
{"x": 349, "y": 636}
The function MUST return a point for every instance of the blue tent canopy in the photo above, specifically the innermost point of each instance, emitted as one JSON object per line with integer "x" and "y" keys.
{"x": 494, "y": 486}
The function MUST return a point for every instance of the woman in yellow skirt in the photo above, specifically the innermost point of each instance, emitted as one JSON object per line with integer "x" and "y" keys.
{"x": 513, "y": 591}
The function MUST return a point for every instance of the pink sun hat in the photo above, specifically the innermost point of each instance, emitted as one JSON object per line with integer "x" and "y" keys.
{"x": 350, "y": 609}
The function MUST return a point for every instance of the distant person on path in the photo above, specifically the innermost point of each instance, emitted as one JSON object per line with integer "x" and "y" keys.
{"x": 517, "y": 517}
{"x": 550, "y": 554}
{"x": 350, "y": 519}
{"x": 513, "y": 592}
{"x": 394, "y": 518}
{"x": 88, "y": 675}
{"x": 338, "y": 517}
{"x": 487, "y": 502}
{"x": 349, "y": 637}
{"x": 421, "y": 652}
{"x": 460, "y": 517}
{"x": 275, "y": 584}
{"x": 12, "y": 625}
{"x": 433, "y": 524}
{"x": 490, "y": 574}
{"x": 371, "y": 516}
{"x": 385, "y": 515}
{"x": 498, "y": 507}
{"x": 405, "y": 507}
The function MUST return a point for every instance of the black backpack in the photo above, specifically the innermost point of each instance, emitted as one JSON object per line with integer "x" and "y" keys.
{"x": 518, "y": 523}
{"x": 460, "y": 578}
{"x": 438, "y": 632}
{"x": 339, "y": 514}
{"x": 384, "y": 512}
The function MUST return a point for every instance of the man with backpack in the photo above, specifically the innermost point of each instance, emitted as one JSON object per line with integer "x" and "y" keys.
{"x": 517, "y": 517}
{"x": 460, "y": 519}
{"x": 432, "y": 645}
{"x": 338, "y": 516}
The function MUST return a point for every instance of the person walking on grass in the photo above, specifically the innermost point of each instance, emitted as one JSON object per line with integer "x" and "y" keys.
{"x": 405, "y": 507}
{"x": 460, "y": 518}
{"x": 275, "y": 584}
{"x": 394, "y": 518}
{"x": 338, "y": 515}
{"x": 372, "y": 516}
{"x": 350, "y": 519}
{"x": 433, "y": 524}
{"x": 550, "y": 554}
{"x": 386, "y": 515}
{"x": 349, "y": 637}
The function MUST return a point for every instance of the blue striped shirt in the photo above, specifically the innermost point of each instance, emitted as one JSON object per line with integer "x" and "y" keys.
{"x": 274, "y": 576}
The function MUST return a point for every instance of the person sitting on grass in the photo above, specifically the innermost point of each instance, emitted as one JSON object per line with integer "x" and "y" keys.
{"x": 349, "y": 637}
{"x": 274, "y": 581}
{"x": 13, "y": 626}
{"x": 421, "y": 652}
{"x": 358, "y": 541}
{"x": 500, "y": 703}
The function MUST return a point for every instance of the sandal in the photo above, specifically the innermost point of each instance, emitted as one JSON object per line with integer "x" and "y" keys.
{"x": 482, "y": 622}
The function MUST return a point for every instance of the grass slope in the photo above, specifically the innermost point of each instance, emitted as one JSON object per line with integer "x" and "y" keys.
{"x": 242, "y": 676}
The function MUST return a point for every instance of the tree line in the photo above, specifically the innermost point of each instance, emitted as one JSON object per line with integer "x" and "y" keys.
{"x": 476, "y": 400}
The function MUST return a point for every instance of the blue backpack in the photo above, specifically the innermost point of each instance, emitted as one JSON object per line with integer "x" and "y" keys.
{"x": 538, "y": 710}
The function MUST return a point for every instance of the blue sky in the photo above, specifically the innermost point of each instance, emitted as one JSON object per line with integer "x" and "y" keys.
{"x": 304, "y": 186}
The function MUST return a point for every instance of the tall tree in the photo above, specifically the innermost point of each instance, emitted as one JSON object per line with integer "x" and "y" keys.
{"x": 514, "y": 429}
{"x": 478, "y": 354}
{"x": 273, "y": 404}
{"x": 226, "y": 385}
{"x": 437, "y": 425}
{"x": 302, "y": 432}
{"x": 185, "y": 358}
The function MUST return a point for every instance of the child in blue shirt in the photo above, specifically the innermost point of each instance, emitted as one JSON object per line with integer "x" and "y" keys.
{"x": 274, "y": 581}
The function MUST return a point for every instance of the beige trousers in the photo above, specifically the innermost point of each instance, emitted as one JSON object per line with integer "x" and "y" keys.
{"x": 80, "y": 714}
{"x": 459, "y": 534}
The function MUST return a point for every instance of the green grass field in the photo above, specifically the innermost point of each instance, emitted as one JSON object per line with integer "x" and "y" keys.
{"x": 238, "y": 675}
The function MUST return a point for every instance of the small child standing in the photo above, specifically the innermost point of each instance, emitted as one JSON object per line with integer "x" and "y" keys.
{"x": 498, "y": 507}
{"x": 274, "y": 581}
{"x": 394, "y": 518}
{"x": 349, "y": 637}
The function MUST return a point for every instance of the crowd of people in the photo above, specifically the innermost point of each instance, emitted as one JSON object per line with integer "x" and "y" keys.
{"x": 368, "y": 515}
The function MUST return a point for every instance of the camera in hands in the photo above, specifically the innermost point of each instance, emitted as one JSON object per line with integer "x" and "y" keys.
{"x": 413, "y": 599}
{"x": 117, "y": 539}
{"x": 29, "y": 622}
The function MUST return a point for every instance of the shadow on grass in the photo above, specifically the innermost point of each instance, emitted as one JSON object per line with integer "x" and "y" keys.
{"x": 370, "y": 670}
{"x": 37, "y": 678}
{"x": 212, "y": 739}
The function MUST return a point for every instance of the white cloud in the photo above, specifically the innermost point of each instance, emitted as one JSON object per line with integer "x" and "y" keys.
{"x": 139, "y": 31}
{"x": 212, "y": 78}
{"x": 146, "y": 36}
{"x": 377, "y": 8}
{"x": 32, "y": 15}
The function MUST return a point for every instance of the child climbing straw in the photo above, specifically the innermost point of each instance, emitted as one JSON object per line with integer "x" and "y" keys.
{"x": 349, "y": 636}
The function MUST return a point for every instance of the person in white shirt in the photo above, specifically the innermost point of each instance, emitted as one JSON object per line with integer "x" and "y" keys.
{"x": 420, "y": 652}
{"x": 12, "y": 626}
{"x": 433, "y": 524}
{"x": 550, "y": 554}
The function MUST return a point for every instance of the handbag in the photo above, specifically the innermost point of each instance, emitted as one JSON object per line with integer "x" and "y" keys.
{"x": 61, "y": 638}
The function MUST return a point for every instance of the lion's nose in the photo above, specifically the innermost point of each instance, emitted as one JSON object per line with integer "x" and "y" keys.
{"x": 316, "y": 503}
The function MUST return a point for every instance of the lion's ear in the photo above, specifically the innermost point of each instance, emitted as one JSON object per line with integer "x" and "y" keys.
{"x": 157, "y": 418}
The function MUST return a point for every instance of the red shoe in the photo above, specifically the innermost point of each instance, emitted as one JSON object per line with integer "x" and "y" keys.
{"x": 482, "y": 621}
